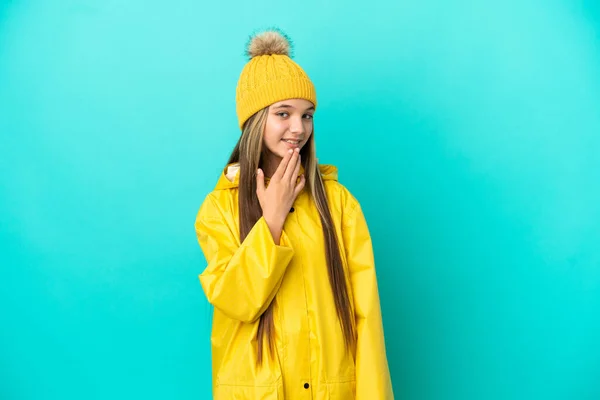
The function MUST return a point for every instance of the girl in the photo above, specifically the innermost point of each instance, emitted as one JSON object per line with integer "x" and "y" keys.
{"x": 290, "y": 264}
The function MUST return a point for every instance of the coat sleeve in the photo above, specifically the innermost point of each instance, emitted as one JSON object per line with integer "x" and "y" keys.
{"x": 241, "y": 279}
{"x": 373, "y": 380}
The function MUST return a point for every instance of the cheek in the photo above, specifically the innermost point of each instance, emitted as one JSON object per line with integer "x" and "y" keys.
{"x": 308, "y": 127}
{"x": 274, "y": 131}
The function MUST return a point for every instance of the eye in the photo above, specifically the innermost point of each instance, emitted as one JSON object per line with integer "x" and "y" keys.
{"x": 308, "y": 116}
{"x": 282, "y": 114}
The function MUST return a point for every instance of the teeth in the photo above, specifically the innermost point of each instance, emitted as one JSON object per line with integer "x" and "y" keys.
{"x": 292, "y": 141}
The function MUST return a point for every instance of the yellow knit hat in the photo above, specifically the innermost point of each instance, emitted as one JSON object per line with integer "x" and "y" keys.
{"x": 270, "y": 76}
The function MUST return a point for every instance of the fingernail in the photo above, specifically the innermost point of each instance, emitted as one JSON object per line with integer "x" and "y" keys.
{"x": 258, "y": 171}
{"x": 297, "y": 149}
{"x": 290, "y": 151}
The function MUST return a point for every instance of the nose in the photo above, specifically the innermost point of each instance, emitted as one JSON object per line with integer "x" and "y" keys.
{"x": 297, "y": 126}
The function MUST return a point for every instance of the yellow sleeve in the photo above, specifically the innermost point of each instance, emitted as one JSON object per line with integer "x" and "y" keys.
{"x": 241, "y": 279}
{"x": 373, "y": 380}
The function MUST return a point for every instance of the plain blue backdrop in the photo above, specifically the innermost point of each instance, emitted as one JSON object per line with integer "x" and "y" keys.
{"x": 469, "y": 131}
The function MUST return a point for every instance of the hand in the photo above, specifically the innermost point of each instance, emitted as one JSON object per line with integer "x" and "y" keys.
{"x": 277, "y": 199}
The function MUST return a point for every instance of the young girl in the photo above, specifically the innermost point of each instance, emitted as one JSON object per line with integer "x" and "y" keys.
{"x": 290, "y": 264}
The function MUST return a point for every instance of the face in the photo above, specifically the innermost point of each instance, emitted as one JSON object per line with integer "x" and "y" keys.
{"x": 289, "y": 125}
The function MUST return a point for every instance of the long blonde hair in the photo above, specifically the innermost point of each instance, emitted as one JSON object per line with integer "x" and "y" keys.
{"x": 249, "y": 153}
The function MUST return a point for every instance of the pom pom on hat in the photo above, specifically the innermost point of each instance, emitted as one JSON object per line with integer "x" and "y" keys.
{"x": 270, "y": 42}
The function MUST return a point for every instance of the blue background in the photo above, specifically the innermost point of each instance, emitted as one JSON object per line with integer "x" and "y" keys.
{"x": 469, "y": 131}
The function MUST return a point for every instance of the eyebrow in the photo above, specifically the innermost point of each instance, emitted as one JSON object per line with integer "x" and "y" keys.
{"x": 292, "y": 107}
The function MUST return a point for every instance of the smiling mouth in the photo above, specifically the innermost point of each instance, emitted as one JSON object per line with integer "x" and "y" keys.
{"x": 296, "y": 142}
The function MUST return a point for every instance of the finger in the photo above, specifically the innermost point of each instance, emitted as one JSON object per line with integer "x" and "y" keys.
{"x": 289, "y": 170}
{"x": 300, "y": 186}
{"x": 282, "y": 165}
{"x": 296, "y": 170}
{"x": 260, "y": 183}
